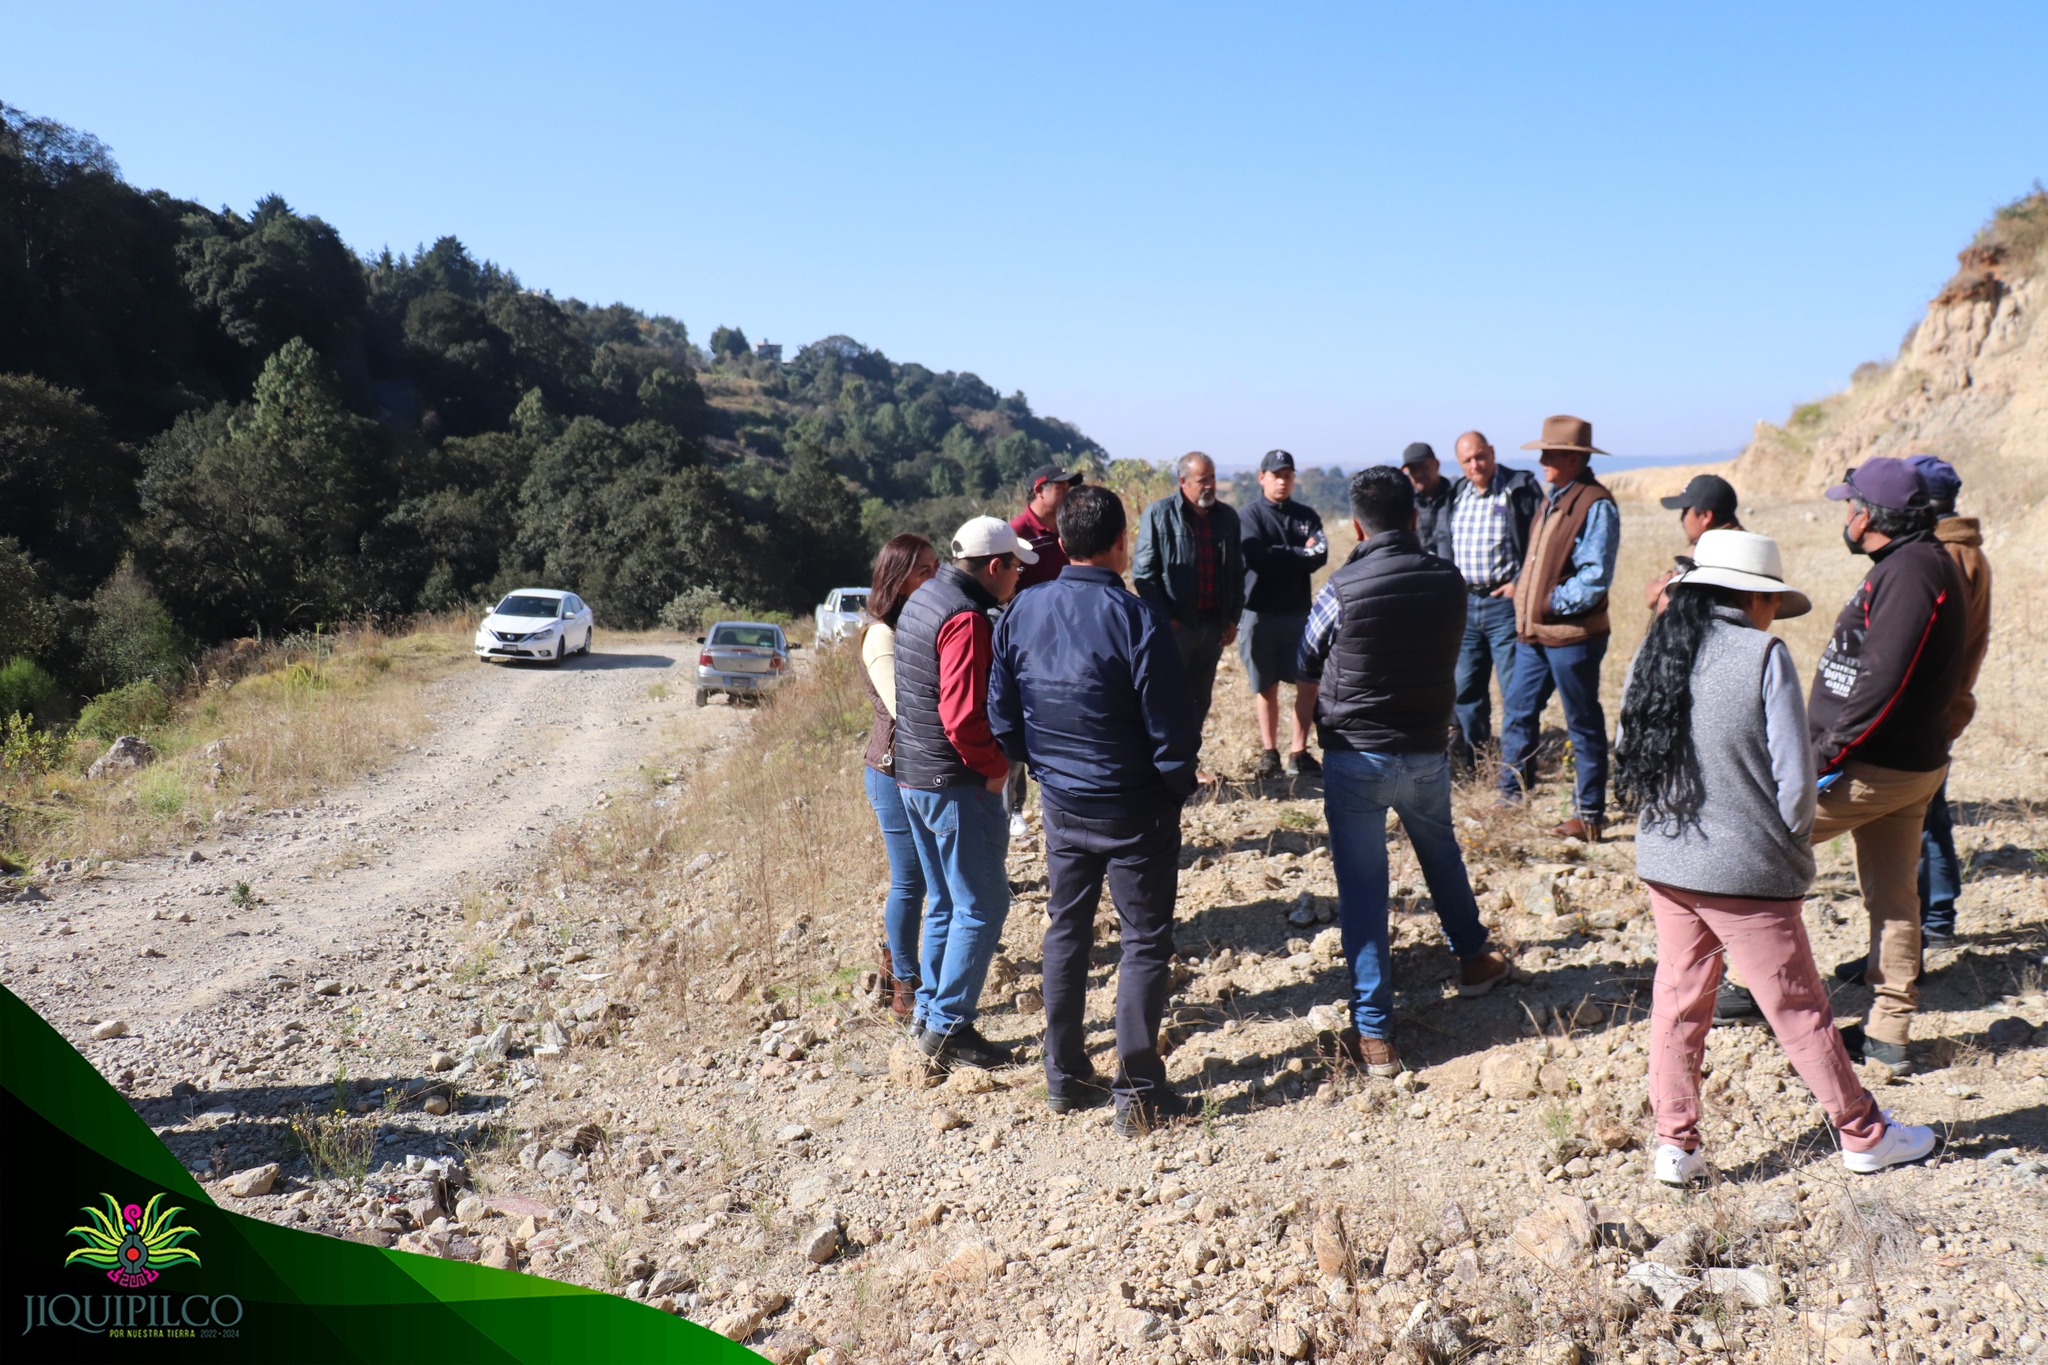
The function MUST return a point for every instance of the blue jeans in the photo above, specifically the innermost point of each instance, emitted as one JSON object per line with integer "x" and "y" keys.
{"x": 1488, "y": 649}
{"x": 906, "y": 878}
{"x": 1358, "y": 790}
{"x": 1573, "y": 672}
{"x": 962, "y": 833}
{"x": 1941, "y": 874}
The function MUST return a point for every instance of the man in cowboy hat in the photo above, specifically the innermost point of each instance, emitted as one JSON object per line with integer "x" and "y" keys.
{"x": 1880, "y": 721}
{"x": 1561, "y": 624}
{"x": 1706, "y": 504}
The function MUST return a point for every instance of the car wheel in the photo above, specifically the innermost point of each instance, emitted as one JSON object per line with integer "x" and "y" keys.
{"x": 589, "y": 638}
{"x": 561, "y": 651}
{"x": 700, "y": 696}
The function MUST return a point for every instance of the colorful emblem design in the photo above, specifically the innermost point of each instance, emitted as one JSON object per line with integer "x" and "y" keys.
{"x": 132, "y": 1244}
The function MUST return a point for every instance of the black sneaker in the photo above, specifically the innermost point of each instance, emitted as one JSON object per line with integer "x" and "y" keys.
{"x": 1303, "y": 764}
{"x": 1135, "y": 1118}
{"x": 1935, "y": 935}
{"x": 1089, "y": 1093}
{"x": 965, "y": 1046}
{"x": 1863, "y": 1048}
{"x": 1734, "y": 1005}
{"x": 1269, "y": 766}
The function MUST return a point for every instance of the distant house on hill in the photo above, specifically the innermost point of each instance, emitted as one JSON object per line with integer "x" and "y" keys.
{"x": 768, "y": 350}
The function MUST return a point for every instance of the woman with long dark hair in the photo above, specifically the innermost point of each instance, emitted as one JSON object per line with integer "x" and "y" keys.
{"x": 903, "y": 566}
{"x": 1713, "y": 754}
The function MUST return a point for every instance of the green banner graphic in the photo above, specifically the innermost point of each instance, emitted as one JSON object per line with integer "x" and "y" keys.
{"x": 114, "y": 1252}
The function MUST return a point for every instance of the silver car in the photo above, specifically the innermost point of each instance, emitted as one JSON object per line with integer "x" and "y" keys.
{"x": 743, "y": 659}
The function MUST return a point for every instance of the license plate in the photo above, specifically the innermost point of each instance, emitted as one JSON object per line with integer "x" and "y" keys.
{"x": 740, "y": 684}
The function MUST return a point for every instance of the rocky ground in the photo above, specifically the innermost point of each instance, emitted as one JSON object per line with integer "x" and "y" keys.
{"x": 446, "y": 1038}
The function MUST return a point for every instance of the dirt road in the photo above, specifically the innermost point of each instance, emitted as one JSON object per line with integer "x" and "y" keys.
{"x": 338, "y": 889}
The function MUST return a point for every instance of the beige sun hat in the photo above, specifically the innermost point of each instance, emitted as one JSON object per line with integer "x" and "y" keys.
{"x": 1747, "y": 562}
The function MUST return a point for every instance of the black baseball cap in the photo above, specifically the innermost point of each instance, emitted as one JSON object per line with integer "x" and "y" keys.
{"x": 1416, "y": 453}
{"x": 1052, "y": 473}
{"x": 1275, "y": 461}
{"x": 1706, "y": 493}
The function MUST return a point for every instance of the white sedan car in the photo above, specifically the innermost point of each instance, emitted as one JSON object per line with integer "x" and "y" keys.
{"x": 535, "y": 623}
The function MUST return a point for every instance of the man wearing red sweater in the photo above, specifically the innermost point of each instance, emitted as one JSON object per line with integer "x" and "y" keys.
{"x": 952, "y": 772}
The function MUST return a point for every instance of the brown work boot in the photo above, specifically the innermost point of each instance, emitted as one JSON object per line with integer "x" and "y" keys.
{"x": 1374, "y": 1056}
{"x": 1578, "y": 827}
{"x": 903, "y": 997}
{"x": 1478, "y": 975}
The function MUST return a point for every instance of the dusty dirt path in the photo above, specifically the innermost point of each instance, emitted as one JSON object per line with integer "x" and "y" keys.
{"x": 343, "y": 885}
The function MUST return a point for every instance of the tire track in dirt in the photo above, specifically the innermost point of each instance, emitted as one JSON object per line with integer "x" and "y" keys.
{"x": 515, "y": 752}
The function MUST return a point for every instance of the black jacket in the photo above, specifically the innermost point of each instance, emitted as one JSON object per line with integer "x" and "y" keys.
{"x": 1163, "y": 571}
{"x": 925, "y": 757}
{"x": 1389, "y": 658}
{"x": 1525, "y": 495}
{"x": 1087, "y": 688}
{"x": 1892, "y": 667}
{"x": 1276, "y": 577}
{"x": 1430, "y": 509}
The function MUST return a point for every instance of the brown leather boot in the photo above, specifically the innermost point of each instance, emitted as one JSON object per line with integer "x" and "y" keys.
{"x": 903, "y": 998}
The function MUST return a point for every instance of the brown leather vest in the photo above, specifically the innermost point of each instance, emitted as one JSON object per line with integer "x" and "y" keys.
{"x": 1551, "y": 538}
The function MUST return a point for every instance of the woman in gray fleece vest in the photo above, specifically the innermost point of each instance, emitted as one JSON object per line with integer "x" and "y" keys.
{"x": 1713, "y": 754}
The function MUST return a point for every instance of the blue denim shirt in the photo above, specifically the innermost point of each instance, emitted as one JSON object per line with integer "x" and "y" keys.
{"x": 1592, "y": 567}
{"x": 1087, "y": 687}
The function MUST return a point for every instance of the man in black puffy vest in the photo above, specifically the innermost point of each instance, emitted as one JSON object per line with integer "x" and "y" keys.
{"x": 1383, "y": 639}
{"x": 952, "y": 774}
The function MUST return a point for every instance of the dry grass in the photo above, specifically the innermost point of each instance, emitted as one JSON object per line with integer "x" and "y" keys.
{"x": 301, "y": 716}
{"x": 763, "y": 862}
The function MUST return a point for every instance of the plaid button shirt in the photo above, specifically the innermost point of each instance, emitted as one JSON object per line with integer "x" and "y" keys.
{"x": 1480, "y": 545}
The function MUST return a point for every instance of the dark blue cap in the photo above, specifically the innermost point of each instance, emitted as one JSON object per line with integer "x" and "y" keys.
{"x": 1939, "y": 478}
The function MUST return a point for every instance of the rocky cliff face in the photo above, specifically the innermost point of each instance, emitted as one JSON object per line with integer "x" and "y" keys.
{"x": 1970, "y": 384}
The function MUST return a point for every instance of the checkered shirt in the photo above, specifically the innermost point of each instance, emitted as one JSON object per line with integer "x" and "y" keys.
{"x": 1480, "y": 545}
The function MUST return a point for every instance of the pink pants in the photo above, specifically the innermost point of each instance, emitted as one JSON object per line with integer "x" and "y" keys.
{"x": 1767, "y": 942}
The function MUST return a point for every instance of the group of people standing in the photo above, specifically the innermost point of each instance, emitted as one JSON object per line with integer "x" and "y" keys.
{"x": 1023, "y": 651}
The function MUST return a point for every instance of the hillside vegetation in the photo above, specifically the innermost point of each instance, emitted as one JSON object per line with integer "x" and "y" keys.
{"x": 218, "y": 425}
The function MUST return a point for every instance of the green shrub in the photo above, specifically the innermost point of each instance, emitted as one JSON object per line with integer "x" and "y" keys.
{"x": 130, "y": 710}
{"x": 26, "y": 690}
{"x": 27, "y": 750}
{"x": 694, "y": 609}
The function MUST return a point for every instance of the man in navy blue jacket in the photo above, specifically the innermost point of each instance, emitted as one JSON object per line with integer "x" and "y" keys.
{"x": 1087, "y": 687}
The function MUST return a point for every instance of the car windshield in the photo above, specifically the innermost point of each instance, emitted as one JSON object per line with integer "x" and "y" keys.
{"x": 530, "y": 606}
{"x": 852, "y": 601}
{"x": 760, "y": 637}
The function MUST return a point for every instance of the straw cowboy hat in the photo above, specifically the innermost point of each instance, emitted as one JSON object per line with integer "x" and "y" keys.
{"x": 1566, "y": 433}
{"x": 1747, "y": 562}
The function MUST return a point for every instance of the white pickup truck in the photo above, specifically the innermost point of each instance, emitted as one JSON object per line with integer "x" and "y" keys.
{"x": 838, "y": 616}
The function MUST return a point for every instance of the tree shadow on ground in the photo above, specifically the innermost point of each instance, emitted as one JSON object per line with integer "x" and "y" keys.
{"x": 593, "y": 663}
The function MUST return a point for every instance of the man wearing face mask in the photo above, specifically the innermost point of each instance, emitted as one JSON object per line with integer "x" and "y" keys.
{"x": 1878, "y": 720}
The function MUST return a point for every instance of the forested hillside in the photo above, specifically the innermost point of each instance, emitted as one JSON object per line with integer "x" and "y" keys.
{"x": 215, "y": 424}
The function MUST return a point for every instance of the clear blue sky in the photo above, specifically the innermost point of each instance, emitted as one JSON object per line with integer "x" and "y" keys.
{"x": 1334, "y": 228}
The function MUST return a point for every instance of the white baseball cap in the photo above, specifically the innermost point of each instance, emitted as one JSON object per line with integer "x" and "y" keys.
{"x": 980, "y": 536}
{"x": 1745, "y": 561}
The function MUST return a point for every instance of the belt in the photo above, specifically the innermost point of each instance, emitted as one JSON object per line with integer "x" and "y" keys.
{"x": 1471, "y": 591}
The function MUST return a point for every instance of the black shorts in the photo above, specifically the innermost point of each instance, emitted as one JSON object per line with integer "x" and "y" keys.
{"x": 1269, "y": 644}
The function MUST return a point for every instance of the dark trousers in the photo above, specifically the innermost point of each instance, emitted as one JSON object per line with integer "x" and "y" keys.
{"x": 1201, "y": 649}
{"x": 1140, "y": 855}
{"x": 1573, "y": 672}
{"x": 1941, "y": 873}
{"x": 1488, "y": 649}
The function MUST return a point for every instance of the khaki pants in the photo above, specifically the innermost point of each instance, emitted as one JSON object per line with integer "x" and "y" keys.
{"x": 1882, "y": 810}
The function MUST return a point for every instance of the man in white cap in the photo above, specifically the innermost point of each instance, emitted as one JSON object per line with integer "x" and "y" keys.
{"x": 952, "y": 773}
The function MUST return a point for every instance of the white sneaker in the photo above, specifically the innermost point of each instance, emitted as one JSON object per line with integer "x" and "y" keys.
{"x": 1676, "y": 1166}
{"x": 1020, "y": 829}
{"x": 1901, "y": 1143}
